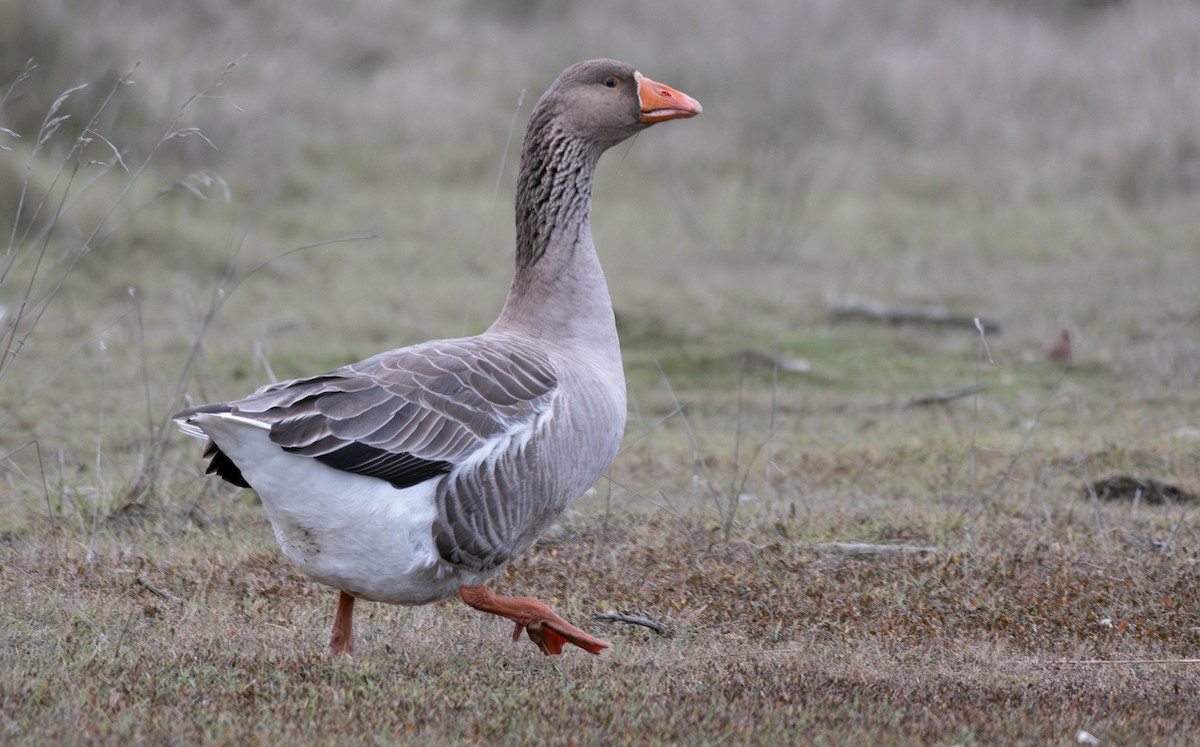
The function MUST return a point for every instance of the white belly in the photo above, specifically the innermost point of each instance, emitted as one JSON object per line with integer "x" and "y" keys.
{"x": 348, "y": 531}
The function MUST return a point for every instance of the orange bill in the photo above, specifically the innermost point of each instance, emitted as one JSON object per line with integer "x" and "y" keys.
{"x": 660, "y": 103}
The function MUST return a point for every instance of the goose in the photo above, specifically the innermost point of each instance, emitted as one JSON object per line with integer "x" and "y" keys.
{"x": 419, "y": 473}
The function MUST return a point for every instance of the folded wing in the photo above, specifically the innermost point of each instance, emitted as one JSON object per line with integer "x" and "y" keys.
{"x": 410, "y": 415}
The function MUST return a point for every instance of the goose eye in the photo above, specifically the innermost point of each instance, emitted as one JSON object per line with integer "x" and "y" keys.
{"x": 612, "y": 81}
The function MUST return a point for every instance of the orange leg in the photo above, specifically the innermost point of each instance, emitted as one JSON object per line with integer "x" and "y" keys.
{"x": 342, "y": 641}
{"x": 545, "y": 628}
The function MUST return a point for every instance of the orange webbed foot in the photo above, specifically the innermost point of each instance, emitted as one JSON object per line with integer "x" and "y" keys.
{"x": 542, "y": 624}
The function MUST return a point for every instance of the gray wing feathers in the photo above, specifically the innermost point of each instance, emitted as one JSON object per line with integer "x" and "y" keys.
{"x": 437, "y": 401}
{"x": 468, "y": 408}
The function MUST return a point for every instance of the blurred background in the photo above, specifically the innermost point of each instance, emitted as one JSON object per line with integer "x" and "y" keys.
{"x": 1034, "y": 163}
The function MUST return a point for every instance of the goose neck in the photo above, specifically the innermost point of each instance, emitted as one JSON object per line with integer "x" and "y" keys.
{"x": 558, "y": 292}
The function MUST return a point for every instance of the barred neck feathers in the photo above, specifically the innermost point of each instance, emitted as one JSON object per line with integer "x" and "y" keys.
{"x": 554, "y": 192}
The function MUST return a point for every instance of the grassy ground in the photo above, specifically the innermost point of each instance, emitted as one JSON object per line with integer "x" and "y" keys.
{"x": 1031, "y": 163}
{"x": 187, "y": 625}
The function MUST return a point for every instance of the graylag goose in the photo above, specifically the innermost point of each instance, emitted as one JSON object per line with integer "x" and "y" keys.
{"x": 420, "y": 473}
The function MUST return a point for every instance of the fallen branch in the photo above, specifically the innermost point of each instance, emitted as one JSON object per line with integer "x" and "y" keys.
{"x": 865, "y": 548}
{"x": 944, "y": 396}
{"x": 647, "y": 622}
{"x": 878, "y": 311}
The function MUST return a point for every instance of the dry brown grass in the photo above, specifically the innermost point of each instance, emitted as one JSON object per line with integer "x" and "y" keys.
{"x": 1030, "y": 164}
{"x": 1053, "y": 614}
{"x": 185, "y": 628}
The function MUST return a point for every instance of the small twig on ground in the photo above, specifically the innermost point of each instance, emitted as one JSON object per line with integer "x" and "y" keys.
{"x": 1123, "y": 661}
{"x": 156, "y": 591}
{"x": 646, "y": 622}
{"x": 866, "y": 548}
{"x": 944, "y": 396}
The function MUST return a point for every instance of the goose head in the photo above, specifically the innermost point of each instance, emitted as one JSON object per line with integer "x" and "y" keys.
{"x": 607, "y": 101}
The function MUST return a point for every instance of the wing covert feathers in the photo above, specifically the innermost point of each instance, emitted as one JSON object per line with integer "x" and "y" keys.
{"x": 403, "y": 416}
